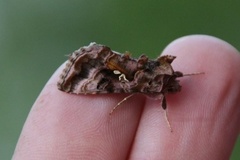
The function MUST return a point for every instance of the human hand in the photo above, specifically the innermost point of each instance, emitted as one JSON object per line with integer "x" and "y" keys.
{"x": 205, "y": 115}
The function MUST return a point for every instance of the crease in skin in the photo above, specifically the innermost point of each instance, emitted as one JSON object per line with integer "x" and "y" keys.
{"x": 136, "y": 131}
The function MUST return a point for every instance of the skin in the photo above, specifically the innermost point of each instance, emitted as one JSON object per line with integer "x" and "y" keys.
{"x": 204, "y": 116}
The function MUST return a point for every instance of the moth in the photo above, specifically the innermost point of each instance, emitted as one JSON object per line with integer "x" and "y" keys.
{"x": 96, "y": 69}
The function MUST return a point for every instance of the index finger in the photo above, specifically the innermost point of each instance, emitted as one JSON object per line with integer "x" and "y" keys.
{"x": 69, "y": 126}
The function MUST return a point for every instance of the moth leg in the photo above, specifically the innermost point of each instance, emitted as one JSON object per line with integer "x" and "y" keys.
{"x": 164, "y": 106}
{"x": 119, "y": 103}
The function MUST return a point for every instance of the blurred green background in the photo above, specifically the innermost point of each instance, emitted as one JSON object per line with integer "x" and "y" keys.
{"x": 35, "y": 36}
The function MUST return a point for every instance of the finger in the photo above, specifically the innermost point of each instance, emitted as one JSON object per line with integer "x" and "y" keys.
{"x": 67, "y": 126}
{"x": 205, "y": 115}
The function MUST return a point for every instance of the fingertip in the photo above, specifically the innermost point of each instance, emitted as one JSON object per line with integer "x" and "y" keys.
{"x": 205, "y": 110}
{"x": 208, "y": 101}
{"x": 201, "y": 51}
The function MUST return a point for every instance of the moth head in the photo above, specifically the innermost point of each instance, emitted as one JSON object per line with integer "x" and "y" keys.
{"x": 171, "y": 83}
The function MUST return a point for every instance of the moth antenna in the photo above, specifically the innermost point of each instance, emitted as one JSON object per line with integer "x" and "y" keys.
{"x": 192, "y": 74}
{"x": 168, "y": 123}
{"x": 119, "y": 103}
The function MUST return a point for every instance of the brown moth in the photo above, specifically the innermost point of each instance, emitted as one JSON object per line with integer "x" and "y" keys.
{"x": 96, "y": 69}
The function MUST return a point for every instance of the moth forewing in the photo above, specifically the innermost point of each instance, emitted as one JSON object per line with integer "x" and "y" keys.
{"x": 96, "y": 69}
